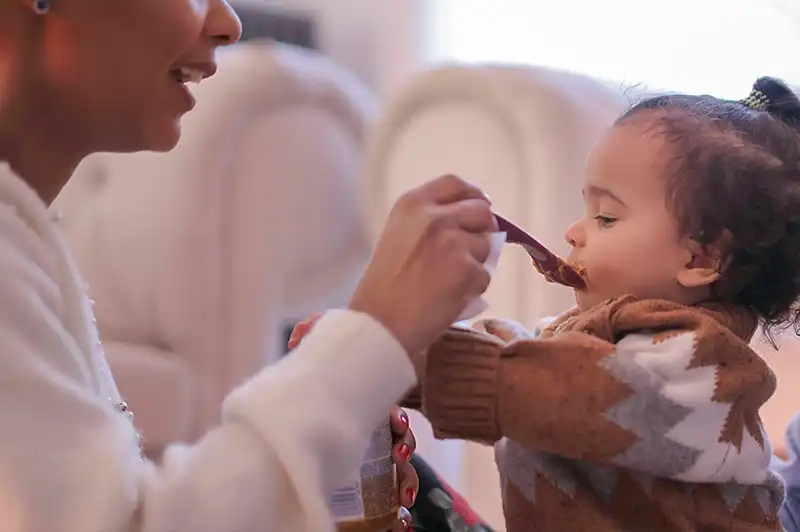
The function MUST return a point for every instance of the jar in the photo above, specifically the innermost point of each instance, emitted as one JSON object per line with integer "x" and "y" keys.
{"x": 370, "y": 503}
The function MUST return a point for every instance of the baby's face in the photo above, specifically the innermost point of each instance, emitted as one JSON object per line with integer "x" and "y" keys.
{"x": 627, "y": 241}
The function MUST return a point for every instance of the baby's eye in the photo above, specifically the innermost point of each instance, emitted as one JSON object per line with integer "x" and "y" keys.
{"x": 605, "y": 221}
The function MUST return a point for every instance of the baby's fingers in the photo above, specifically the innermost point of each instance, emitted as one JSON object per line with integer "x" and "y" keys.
{"x": 302, "y": 329}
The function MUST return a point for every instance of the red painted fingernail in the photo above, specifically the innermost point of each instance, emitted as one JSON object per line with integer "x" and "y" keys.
{"x": 404, "y": 452}
{"x": 296, "y": 336}
{"x": 404, "y": 524}
{"x": 404, "y": 420}
{"x": 410, "y": 494}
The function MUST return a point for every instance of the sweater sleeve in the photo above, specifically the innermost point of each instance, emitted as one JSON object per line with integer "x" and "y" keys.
{"x": 505, "y": 330}
{"x": 69, "y": 462}
{"x": 661, "y": 389}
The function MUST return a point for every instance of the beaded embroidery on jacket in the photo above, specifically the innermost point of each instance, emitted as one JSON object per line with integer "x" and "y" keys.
{"x": 80, "y": 322}
{"x": 97, "y": 345}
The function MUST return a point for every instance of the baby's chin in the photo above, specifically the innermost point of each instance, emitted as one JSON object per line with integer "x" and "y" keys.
{"x": 580, "y": 300}
{"x": 585, "y": 299}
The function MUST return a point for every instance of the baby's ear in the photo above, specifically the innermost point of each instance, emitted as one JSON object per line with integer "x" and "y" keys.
{"x": 705, "y": 264}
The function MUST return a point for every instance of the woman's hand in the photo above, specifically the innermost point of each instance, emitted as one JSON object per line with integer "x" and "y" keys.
{"x": 428, "y": 263}
{"x": 404, "y": 446}
{"x": 403, "y": 437}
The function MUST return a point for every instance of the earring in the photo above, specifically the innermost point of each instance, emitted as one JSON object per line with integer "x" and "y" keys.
{"x": 40, "y": 7}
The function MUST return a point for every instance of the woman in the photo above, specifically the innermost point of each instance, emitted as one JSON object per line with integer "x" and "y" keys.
{"x": 82, "y": 76}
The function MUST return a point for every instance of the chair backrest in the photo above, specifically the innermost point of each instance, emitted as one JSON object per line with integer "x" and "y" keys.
{"x": 199, "y": 258}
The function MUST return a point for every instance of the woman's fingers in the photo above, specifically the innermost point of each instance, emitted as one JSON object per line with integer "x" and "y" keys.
{"x": 408, "y": 481}
{"x": 403, "y": 522}
{"x": 405, "y": 444}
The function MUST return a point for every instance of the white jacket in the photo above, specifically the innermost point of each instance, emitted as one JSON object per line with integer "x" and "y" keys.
{"x": 69, "y": 460}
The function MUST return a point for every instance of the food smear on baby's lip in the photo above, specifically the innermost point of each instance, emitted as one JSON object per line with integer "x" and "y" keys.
{"x": 580, "y": 269}
{"x": 553, "y": 268}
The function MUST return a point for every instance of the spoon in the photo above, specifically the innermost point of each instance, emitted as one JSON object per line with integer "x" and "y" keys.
{"x": 554, "y": 269}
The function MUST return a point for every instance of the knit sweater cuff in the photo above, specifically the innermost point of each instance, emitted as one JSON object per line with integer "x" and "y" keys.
{"x": 413, "y": 399}
{"x": 461, "y": 385}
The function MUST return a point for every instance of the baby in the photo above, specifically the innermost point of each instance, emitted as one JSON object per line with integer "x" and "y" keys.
{"x": 639, "y": 409}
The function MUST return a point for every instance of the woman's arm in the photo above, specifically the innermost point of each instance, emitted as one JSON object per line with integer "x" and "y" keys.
{"x": 69, "y": 461}
{"x": 289, "y": 436}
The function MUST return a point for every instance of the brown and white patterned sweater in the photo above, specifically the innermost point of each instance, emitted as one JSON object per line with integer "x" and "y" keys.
{"x": 632, "y": 416}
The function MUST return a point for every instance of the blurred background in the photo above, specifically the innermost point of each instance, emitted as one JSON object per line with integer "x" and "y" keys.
{"x": 202, "y": 259}
{"x": 710, "y": 46}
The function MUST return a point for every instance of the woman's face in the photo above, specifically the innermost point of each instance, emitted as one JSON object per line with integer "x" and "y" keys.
{"x": 114, "y": 71}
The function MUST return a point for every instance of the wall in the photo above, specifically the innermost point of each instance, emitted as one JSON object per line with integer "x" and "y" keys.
{"x": 379, "y": 40}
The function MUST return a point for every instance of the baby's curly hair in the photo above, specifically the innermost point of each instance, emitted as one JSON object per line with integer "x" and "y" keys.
{"x": 734, "y": 177}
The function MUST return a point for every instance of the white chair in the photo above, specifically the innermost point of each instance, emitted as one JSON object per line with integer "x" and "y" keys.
{"x": 198, "y": 259}
{"x": 522, "y": 134}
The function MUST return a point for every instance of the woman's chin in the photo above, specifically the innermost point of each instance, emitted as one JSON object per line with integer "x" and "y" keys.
{"x": 158, "y": 136}
{"x": 165, "y": 137}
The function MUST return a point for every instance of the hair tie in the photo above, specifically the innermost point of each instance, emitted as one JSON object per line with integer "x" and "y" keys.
{"x": 756, "y": 100}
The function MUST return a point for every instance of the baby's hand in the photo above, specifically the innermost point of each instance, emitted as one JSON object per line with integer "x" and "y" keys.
{"x": 507, "y": 330}
{"x": 302, "y": 329}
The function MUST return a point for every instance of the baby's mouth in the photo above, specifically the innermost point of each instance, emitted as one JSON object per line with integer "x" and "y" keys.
{"x": 580, "y": 269}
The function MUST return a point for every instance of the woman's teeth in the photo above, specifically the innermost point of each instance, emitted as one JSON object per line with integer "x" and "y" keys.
{"x": 187, "y": 75}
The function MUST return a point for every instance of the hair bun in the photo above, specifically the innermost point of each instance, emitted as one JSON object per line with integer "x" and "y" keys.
{"x": 778, "y": 99}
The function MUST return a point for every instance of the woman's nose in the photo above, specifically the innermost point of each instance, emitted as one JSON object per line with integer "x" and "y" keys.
{"x": 222, "y": 24}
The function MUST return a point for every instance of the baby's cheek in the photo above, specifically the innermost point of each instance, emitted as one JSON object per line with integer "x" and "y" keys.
{"x": 608, "y": 276}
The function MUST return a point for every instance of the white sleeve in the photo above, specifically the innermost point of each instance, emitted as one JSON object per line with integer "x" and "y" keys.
{"x": 289, "y": 436}
{"x": 69, "y": 462}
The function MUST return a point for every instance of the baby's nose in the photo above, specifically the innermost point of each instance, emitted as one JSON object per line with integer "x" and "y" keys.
{"x": 572, "y": 235}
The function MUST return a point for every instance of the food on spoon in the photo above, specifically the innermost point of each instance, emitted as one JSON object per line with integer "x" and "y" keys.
{"x": 553, "y": 268}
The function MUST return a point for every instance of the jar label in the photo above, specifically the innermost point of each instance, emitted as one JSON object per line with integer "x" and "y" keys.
{"x": 374, "y": 493}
